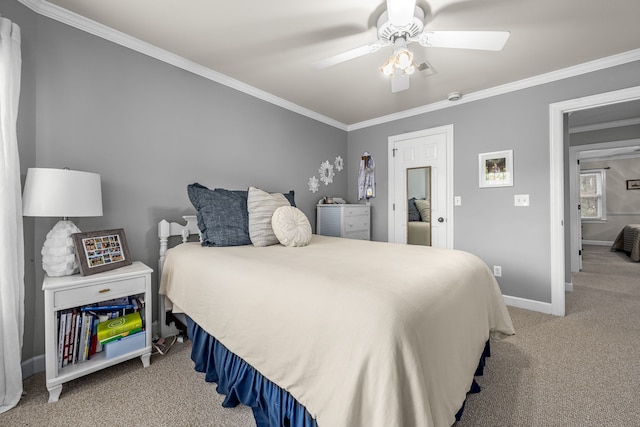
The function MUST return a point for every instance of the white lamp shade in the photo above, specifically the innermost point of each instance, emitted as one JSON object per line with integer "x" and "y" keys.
{"x": 61, "y": 193}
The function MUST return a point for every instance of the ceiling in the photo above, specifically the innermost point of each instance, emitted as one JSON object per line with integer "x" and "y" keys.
{"x": 271, "y": 45}
{"x": 614, "y": 115}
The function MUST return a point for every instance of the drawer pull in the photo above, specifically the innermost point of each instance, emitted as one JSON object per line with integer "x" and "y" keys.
{"x": 102, "y": 291}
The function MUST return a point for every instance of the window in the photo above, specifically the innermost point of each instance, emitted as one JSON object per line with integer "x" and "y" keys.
{"x": 592, "y": 195}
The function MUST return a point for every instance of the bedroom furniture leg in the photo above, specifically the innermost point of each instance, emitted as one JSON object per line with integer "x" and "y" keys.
{"x": 54, "y": 393}
{"x": 146, "y": 360}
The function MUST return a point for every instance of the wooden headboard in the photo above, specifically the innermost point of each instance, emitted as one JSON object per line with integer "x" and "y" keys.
{"x": 167, "y": 229}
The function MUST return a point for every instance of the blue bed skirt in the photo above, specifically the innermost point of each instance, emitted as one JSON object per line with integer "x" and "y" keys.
{"x": 240, "y": 383}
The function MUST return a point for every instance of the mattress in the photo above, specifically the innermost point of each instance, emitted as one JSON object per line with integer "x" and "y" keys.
{"x": 361, "y": 333}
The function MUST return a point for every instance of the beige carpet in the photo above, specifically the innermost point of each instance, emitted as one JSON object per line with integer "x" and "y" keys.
{"x": 580, "y": 370}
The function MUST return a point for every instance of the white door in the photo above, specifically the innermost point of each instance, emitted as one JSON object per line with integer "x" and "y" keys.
{"x": 428, "y": 148}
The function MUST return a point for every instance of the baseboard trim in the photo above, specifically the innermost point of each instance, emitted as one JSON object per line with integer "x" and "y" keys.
{"x": 568, "y": 286}
{"x": 33, "y": 366}
{"x": 597, "y": 242}
{"x": 528, "y": 304}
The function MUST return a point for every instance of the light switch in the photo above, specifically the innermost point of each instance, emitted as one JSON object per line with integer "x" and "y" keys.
{"x": 521, "y": 200}
{"x": 457, "y": 201}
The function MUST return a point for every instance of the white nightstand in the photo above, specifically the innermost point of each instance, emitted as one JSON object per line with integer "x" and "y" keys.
{"x": 344, "y": 220}
{"x": 61, "y": 293}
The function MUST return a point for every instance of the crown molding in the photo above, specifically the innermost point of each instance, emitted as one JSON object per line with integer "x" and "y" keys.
{"x": 65, "y": 16}
{"x": 72, "y": 19}
{"x": 605, "y": 125}
{"x": 587, "y": 67}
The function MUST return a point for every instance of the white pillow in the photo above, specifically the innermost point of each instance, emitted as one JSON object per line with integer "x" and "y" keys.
{"x": 261, "y": 206}
{"x": 291, "y": 226}
{"x": 424, "y": 207}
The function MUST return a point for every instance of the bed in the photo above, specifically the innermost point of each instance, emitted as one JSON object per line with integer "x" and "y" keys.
{"x": 628, "y": 240}
{"x": 337, "y": 332}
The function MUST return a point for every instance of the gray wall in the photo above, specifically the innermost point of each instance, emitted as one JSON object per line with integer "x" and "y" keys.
{"x": 149, "y": 129}
{"x": 487, "y": 223}
{"x": 623, "y": 206}
{"x": 606, "y": 135}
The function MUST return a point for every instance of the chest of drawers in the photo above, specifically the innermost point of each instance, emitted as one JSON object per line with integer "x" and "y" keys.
{"x": 344, "y": 220}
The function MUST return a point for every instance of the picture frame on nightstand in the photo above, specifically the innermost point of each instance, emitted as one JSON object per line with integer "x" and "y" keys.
{"x": 98, "y": 251}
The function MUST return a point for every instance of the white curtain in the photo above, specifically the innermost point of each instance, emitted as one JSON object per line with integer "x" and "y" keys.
{"x": 11, "y": 235}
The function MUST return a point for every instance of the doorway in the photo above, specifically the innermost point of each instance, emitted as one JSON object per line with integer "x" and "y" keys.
{"x": 427, "y": 153}
{"x": 557, "y": 112}
{"x": 578, "y": 154}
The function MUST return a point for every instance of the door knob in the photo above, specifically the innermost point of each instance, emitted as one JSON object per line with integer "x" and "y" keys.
{"x": 440, "y": 219}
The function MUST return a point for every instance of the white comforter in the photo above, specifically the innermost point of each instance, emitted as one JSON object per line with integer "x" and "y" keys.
{"x": 361, "y": 333}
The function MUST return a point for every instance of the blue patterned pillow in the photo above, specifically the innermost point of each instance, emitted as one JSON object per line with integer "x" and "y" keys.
{"x": 290, "y": 197}
{"x": 223, "y": 219}
{"x": 414, "y": 213}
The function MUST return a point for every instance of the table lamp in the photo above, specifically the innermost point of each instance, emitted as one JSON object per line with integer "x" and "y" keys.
{"x": 61, "y": 193}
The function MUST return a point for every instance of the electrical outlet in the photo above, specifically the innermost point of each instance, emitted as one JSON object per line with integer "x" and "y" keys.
{"x": 521, "y": 200}
{"x": 497, "y": 271}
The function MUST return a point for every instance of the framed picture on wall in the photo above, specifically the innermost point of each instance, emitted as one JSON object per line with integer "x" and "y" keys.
{"x": 633, "y": 184}
{"x": 496, "y": 169}
{"x": 98, "y": 251}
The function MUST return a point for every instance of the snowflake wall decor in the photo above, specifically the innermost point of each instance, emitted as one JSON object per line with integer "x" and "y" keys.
{"x": 313, "y": 184}
{"x": 326, "y": 172}
{"x": 339, "y": 163}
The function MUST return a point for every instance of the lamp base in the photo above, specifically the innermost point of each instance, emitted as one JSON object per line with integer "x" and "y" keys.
{"x": 58, "y": 255}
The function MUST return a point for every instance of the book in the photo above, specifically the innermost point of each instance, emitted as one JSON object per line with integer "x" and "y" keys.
{"x": 107, "y": 307}
{"x": 73, "y": 348}
{"x": 100, "y": 318}
{"x": 82, "y": 338}
{"x": 67, "y": 329}
{"x": 121, "y": 335}
{"x": 62, "y": 328}
{"x": 120, "y": 326}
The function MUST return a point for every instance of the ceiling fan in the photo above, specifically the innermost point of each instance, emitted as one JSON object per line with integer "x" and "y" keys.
{"x": 403, "y": 23}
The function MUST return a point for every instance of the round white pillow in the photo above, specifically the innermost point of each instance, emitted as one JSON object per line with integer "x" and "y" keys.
{"x": 291, "y": 226}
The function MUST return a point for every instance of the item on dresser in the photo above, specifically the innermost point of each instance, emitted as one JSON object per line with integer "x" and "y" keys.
{"x": 99, "y": 251}
{"x": 61, "y": 193}
{"x": 119, "y": 327}
{"x": 327, "y": 340}
{"x": 351, "y": 221}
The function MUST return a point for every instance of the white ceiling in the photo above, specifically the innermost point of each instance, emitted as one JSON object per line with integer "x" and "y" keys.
{"x": 270, "y": 45}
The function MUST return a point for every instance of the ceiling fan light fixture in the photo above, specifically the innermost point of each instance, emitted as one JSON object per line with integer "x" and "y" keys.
{"x": 410, "y": 69}
{"x": 404, "y": 59}
{"x": 389, "y": 67}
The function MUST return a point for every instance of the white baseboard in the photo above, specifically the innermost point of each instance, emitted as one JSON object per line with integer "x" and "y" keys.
{"x": 597, "y": 242}
{"x": 33, "y": 366}
{"x": 568, "y": 287}
{"x": 527, "y": 304}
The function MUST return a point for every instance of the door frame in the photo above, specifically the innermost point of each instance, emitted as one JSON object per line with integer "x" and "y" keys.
{"x": 557, "y": 145}
{"x": 448, "y": 130}
{"x": 574, "y": 191}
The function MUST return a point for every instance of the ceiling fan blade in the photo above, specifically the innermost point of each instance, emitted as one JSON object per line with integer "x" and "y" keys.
{"x": 401, "y": 12}
{"x": 399, "y": 82}
{"x": 348, "y": 55}
{"x": 482, "y": 40}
